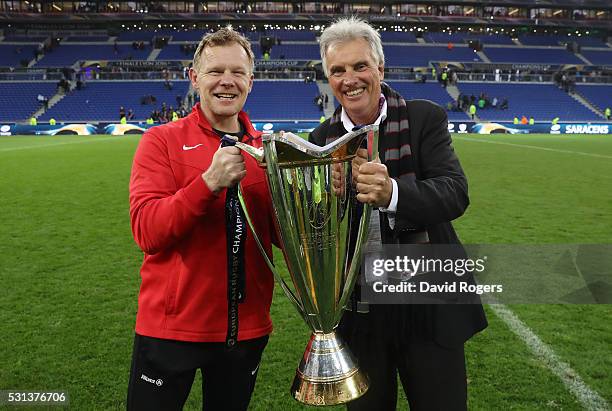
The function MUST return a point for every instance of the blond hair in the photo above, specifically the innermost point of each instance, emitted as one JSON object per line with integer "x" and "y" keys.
{"x": 222, "y": 37}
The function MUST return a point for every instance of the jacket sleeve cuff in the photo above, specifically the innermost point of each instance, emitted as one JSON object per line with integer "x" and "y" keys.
{"x": 198, "y": 196}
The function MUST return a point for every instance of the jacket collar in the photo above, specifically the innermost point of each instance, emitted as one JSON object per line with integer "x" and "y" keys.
{"x": 249, "y": 131}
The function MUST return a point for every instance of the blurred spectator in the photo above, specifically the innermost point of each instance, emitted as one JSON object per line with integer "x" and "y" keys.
{"x": 444, "y": 78}
{"x": 44, "y": 101}
{"x": 472, "y": 111}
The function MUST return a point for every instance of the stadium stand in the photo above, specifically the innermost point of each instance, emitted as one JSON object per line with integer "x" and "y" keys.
{"x": 401, "y": 49}
{"x": 589, "y": 41}
{"x": 430, "y": 91}
{"x": 398, "y": 37}
{"x": 24, "y": 39}
{"x": 140, "y": 35}
{"x": 598, "y": 95}
{"x": 489, "y": 38}
{"x": 79, "y": 39}
{"x": 189, "y": 35}
{"x": 291, "y": 51}
{"x": 11, "y": 55}
{"x": 18, "y": 99}
{"x": 558, "y": 39}
{"x": 100, "y": 100}
{"x": 67, "y": 54}
{"x": 540, "y": 39}
{"x": 598, "y": 57}
{"x": 420, "y": 55}
{"x": 531, "y": 55}
{"x": 173, "y": 52}
{"x": 290, "y": 35}
{"x": 436, "y": 37}
{"x": 272, "y": 100}
{"x": 543, "y": 102}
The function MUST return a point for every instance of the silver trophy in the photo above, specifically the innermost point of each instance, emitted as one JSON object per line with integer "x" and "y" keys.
{"x": 316, "y": 215}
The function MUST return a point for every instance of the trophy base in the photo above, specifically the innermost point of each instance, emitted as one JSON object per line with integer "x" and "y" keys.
{"x": 328, "y": 373}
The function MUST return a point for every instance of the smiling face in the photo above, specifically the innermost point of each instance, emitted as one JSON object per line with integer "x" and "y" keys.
{"x": 354, "y": 77}
{"x": 223, "y": 80}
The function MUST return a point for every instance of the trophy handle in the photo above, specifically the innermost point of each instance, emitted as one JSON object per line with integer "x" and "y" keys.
{"x": 297, "y": 304}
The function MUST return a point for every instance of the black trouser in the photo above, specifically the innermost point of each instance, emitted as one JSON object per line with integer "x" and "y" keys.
{"x": 433, "y": 377}
{"x": 163, "y": 371}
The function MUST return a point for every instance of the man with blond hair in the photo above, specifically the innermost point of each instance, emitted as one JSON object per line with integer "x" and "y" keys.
{"x": 417, "y": 188}
{"x": 206, "y": 291}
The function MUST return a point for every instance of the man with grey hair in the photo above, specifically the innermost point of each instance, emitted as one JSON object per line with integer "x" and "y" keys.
{"x": 418, "y": 188}
{"x": 206, "y": 291}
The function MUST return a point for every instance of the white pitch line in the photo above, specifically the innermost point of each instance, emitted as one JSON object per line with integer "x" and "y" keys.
{"x": 92, "y": 140}
{"x": 555, "y": 150}
{"x": 589, "y": 399}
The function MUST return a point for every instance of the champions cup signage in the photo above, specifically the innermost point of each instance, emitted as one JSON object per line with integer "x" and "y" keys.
{"x": 322, "y": 231}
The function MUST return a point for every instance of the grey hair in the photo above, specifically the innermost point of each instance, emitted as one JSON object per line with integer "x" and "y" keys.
{"x": 347, "y": 29}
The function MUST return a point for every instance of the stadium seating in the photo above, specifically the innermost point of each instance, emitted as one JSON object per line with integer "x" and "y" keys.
{"x": 589, "y": 41}
{"x": 12, "y": 54}
{"x": 543, "y": 102}
{"x": 437, "y": 37}
{"x": 420, "y": 55}
{"x": 598, "y": 95}
{"x": 140, "y": 35}
{"x": 283, "y": 100}
{"x": 100, "y": 100}
{"x": 489, "y": 38}
{"x": 598, "y": 57}
{"x": 291, "y": 51}
{"x": 173, "y": 52}
{"x": 458, "y": 37}
{"x": 290, "y": 35}
{"x": 540, "y": 39}
{"x": 397, "y": 37}
{"x": 67, "y": 54}
{"x": 558, "y": 39}
{"x": 24, "y": 39}
{"x": 531, "y": 55}
{"x": 84, "y": 39}
{"x": 188, "y": 35}
{"x": 18, "y": 99}
{"x": 429, "y": 91}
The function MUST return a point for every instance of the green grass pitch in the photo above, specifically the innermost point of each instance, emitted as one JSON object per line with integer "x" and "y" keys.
{"x": 69, "y": 270}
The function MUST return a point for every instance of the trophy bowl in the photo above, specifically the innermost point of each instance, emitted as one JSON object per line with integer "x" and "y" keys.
{"x": 322, "y": 228}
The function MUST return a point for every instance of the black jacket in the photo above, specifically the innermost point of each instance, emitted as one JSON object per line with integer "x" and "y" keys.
{"x": 428, "y": 199}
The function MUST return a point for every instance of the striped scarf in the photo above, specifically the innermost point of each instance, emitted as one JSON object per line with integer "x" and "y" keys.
{"x": 394, "y": 142}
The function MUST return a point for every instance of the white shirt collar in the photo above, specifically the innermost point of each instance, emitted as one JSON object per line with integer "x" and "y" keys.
{"x": 349, "y": 125}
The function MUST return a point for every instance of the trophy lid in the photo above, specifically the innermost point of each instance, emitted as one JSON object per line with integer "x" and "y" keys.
{"x": 292, "y": 150}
